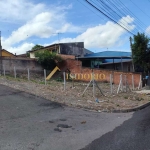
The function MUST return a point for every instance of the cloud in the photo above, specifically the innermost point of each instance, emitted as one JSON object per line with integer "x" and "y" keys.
{"x": 103, "y": 35}
{"x": 148, "y": 31}
{"x": 22, "y": 11}
{"x": 126, "y": 22}
{"x": 21, "y": 49}
{"x": 42, "y": 23}
{"x": 39, "y": 20}
{"x": 19, "y": 10}
{"x": 36, "y": 27}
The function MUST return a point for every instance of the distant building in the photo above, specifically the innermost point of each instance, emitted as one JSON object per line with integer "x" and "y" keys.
{"x": 22, "y": 55}
{"x": 75, "y": 48}
{"x": 113, "y": 60}
{"x": 86, "y": 52}
{"x": 6, "y": 53}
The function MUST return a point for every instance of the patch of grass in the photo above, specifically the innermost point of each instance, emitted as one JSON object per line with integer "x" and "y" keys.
{"x": 9, "y": 77}
{"x": 17, "y": 79}
{"x": 34, "y": 81}
{"x": 125, "y": 97}
{"x": 18, "y": 76}
{"x": 59, "y": 79}
{"x": 41, "y": 82}
{"x": 139, "y": 98}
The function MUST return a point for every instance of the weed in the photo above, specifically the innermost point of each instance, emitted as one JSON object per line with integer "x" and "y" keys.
{"x": 59, "y": 79}
{"x": 18, "y": 76}
{"x": 41, "y": 82}
{"x": 34, "y": 81}
{"x": 18, "y": 79}
{"x": 137, "y": 98}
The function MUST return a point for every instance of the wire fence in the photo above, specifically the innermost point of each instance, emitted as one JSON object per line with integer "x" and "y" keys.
{"x": 23, "y": 73}
{"x": 66, "y": 84}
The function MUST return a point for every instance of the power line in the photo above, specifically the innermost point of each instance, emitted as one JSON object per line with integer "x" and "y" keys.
{"x": 120, "y": 11}
{"x": 111, "y": 9}
{"x": 128, "y": 11}
{"x": 114, "y": 11}
{"x": 108, "y": 17}
{"x": 90, "y": 9}
{"x": 114, "y": 5}
{"x": 140, "y": 9}
{"x": 103, "y": 7}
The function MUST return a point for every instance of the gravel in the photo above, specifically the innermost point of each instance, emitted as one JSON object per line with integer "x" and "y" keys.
{"x": 73, "y": 95}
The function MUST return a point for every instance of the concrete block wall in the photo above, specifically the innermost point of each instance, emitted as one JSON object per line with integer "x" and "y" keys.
{"x": 20, "y": 63}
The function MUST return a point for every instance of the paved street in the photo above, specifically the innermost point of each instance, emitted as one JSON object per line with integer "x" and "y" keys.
{"x": 28, "y": 122}
{"x": 133, "y": 134}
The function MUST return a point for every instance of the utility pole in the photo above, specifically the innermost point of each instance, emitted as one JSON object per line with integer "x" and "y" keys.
{"x": 58, "y": 33}
{"x": 131, "y": 54}
{"x": 58, "y": 42}
{"x": 0, "y": 54}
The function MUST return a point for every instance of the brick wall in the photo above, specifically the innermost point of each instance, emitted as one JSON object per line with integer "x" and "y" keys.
{"x": 84, "y": 74}
{"x": 67, "y": 56}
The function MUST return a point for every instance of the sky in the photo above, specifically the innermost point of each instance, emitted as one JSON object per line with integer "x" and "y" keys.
{"x": 25, "y": 23}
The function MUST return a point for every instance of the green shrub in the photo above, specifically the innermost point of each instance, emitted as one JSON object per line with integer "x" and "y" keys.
{"x": 47, "y": 59}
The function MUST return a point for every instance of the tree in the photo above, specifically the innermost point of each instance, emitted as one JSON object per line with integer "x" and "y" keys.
{"x": 141, "y": 52}
{"x": 47, "y": 59}
{"x": 37, "y": 47}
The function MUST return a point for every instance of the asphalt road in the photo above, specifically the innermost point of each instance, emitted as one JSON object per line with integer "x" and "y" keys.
{"x": 133, "y": 134}
{"x": 28, "y": 122}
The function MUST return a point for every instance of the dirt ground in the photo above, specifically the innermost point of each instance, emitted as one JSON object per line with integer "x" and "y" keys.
{"x": 72, "y": 94}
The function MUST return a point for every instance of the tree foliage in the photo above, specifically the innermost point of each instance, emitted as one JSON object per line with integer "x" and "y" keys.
{"x": 47, "y": 59}
{"x": 141, "y": 52}
{"x": 37, "y": 47}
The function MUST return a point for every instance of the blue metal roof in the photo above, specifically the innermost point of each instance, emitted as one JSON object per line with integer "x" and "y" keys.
{"x": 109, "y": 54}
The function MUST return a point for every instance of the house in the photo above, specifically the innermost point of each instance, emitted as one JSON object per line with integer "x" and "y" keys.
{"x": 113, "y": 60}
{"x": 75, "y": 48}
{"x": 22, "y": 55}
{"x": 6, "y": 53}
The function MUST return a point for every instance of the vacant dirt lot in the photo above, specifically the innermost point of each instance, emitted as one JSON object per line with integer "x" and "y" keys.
{"x": 73, "y": 95}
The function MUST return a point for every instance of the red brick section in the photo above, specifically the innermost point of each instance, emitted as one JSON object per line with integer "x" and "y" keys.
{"x": 84, "y": 74}
{"x": 70, "y": 64}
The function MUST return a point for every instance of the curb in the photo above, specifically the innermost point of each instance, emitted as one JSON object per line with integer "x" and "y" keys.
{"x": 131, "y": 109}
{"x": 115, "y": 111}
